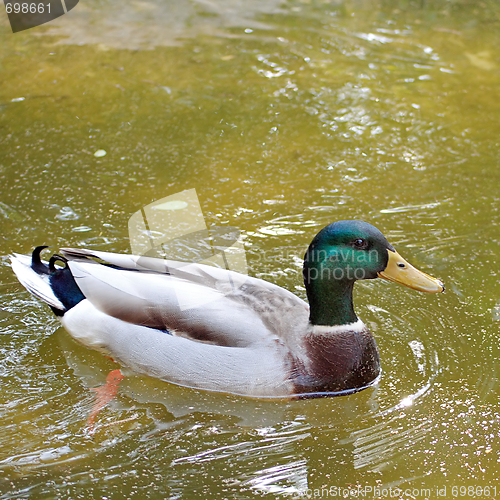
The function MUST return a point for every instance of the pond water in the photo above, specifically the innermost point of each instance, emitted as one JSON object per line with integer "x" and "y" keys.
{"x": 284, "y": 116}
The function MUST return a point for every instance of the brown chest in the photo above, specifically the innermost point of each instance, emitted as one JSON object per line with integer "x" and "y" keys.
{"x": 337, "y": 362}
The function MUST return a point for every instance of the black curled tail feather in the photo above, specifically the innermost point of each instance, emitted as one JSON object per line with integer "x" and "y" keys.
{"x": 56, "y": 258}
{"x": 61, "y": 280}
{"x": 36, "y": 262}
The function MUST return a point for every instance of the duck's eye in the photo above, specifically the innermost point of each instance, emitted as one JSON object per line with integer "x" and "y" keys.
{"x": 360, "y": 243}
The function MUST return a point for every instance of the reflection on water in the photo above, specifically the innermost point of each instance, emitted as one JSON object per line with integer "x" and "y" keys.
{"x": 284, "y": 116}
{"x": 136, "y": 25}
{"x": 376, "y": 447}
{"x": 292, "y": 474}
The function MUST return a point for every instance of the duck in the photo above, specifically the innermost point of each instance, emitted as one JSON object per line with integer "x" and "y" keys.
{"x": 213, "y": 329}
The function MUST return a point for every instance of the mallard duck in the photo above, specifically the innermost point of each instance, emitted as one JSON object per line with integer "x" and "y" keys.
{"x": 208, "y": 328}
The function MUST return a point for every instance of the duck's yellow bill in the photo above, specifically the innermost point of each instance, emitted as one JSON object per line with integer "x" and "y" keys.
{"x": 401, "y": 271}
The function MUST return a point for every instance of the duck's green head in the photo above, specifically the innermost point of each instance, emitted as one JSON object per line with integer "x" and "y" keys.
{"x": 344, "y": 252}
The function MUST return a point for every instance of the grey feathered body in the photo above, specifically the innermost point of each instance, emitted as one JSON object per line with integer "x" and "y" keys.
{"x": 204, "y": 327}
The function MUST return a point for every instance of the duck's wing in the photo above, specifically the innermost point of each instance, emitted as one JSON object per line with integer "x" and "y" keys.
{"x": 195, "y": 301}
{"x": 257, "y": 370}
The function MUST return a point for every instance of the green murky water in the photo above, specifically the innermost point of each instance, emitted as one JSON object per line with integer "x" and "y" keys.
{"x": 284, "y": 116}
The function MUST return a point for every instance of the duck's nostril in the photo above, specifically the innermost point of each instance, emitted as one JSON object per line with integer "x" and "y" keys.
{"x": 400, "y": 264}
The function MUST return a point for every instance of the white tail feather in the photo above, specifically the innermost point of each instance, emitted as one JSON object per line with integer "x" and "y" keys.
{"x": 37, "y": 284}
